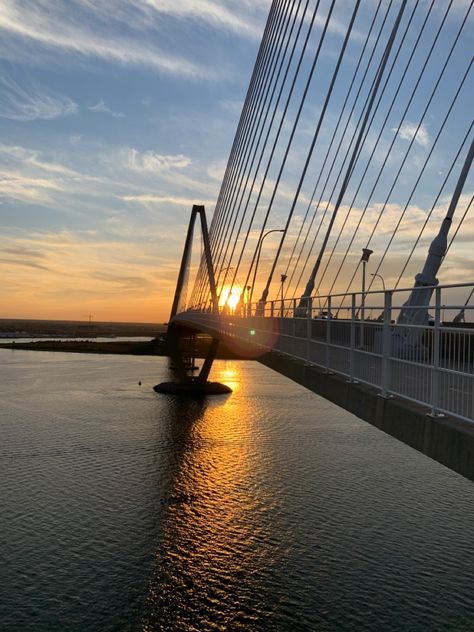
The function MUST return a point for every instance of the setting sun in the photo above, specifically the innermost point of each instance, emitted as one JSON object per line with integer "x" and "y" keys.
{"x": 230, "y": 297}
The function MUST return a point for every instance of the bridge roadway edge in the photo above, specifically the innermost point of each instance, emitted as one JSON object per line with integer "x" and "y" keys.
{"x": 446, "y": 440}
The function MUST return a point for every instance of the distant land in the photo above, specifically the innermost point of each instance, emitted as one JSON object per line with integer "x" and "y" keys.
{"x": 80, "y": 337}
{"x": 29, "y": 328}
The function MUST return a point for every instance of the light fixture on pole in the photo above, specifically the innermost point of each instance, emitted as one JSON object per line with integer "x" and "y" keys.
{"x": 248, "y": 308}
{"x": 366, "y": 252}
{"x": 364, "y": 260}
{"x": 374, "y": 274}
{"x": 282, "y": 281}
{"x": 259, "y": 250}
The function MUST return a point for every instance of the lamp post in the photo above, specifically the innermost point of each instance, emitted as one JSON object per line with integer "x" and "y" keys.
{"x": 248, "y": 308}
{"x": 381, "y": 315}
{"x": 374, "y": 274}
{"x": 366, "y": 252}
{"x": 259, "y": 250}
{"x": 282, "y": 281}
{"x": 364, "y": 260}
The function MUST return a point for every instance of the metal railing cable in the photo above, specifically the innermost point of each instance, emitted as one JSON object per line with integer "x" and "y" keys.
{"x": 295, "y": 124}
{"x": 313, "y": 143}
{"x": 390, "y": 147}
{"x": 338, "y": 123}
{"x": 310, "y": 285}
{"x": 463, "y": 217}
{"x": 261, "y": 91}
{"x": 372, "y": 154}
{"x": 341, "y": 169}
{"x": 279, "y": 62}
{"x": 422, "y": 170}
{"x": 267, "y": 136}
{"x": 428, "y": 103}
{"x": 248, "y": 104}
{"x": 433, "y": 206}
{"x": 248, "y": 112}
{"x": 280, "y": 126}
{"x": 264, "y": 88}
{"x": 246, "y": 118}
{"x": 382, "y": 127}
{"x": 264, "y": 147}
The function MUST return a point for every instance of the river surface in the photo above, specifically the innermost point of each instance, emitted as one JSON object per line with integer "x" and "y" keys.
{"x": 269, "y": 509}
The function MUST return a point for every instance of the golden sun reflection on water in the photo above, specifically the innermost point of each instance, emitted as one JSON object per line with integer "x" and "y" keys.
{"x": 215, "y": 543}
{"x": 229, "y": 374}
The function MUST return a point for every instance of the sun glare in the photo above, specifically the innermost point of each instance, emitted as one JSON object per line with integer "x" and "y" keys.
{"x": 230, "y": 297}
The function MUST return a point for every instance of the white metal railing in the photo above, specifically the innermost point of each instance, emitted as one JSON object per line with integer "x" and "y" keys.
{"x": 427, "y": 358}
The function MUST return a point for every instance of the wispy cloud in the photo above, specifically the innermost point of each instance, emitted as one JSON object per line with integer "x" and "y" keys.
{"x": 124, "y": 282}
{"x": 235, "y": 16}
{"x": 24, "y": 263}
{"x": 22, "y": 251}
{"x": 27, "y": 176}
{"x": 15, "y": 154}
{"x": 151, "y": 161}
{"x": 408, "y": 130}
{"x": 52, "y": 27}
{"x": 101, "y": 107}
{"x": 28, "y": 102}
{"x": 231, "y": 16}
{"x": 86, "y": 276}
{"x": 150, "y": 198}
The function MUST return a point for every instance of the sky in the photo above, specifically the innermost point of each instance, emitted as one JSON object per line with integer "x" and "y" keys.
{"x": 117, "y": 116}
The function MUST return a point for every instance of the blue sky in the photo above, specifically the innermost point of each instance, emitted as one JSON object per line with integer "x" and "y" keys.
{"x": 116, "y": 117}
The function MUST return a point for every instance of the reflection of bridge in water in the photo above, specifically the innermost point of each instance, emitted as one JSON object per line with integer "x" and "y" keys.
{"x": 355, "y": 134}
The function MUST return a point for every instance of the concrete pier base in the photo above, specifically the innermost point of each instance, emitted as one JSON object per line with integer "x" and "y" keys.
{"x": 192, "y": 388}
{"x": 449, "y": 441}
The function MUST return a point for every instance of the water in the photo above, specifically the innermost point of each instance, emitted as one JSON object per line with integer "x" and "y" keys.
{"x": 269, "y": 509}
{"x": 6, "y": 339}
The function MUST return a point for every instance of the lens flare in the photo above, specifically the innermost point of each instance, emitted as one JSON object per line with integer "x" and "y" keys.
{"x": 230, "y": 297}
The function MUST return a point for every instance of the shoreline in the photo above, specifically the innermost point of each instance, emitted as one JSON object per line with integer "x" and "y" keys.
{"x": 148, "y": 348}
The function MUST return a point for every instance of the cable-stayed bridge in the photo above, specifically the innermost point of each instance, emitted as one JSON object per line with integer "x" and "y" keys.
{"x": 350, "y": 176}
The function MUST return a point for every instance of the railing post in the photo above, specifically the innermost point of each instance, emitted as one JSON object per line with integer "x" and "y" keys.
{"x": 309, "y": 317}
{"x": 435, "y": 354}
{"x": 386, "y": 343}
{"x": 271, "y": 308}
{"x": 353, "y": 326}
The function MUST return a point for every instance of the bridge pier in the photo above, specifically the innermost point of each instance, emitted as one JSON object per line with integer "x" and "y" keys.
{"x": 187, "y": 383}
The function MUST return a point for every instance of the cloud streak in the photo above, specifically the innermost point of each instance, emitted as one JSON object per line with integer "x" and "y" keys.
{"x": 29, "y": 102}
{"x": 151, "y": 199}
{"x": 240, "y": 17}
{"x": 102, "y": 108}
{"x": 44, "y": 24}
{"x": 154, "y": 162}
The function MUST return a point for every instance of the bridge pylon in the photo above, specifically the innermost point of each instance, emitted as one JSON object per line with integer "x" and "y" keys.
{"x": 183, "y": 364}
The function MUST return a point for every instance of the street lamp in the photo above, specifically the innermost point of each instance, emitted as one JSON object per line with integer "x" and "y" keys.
{"x": 374, "y": 274}
{"x": 248, "y": 309}
{"x": 282, "y": 281}
{"x": 366, "y": 252}
{"x": 364, "y": 260}
{"x": 259, "y": 250}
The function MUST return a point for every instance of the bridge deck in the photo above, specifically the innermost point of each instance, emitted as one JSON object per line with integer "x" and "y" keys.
{"x": 428, "y": 405}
